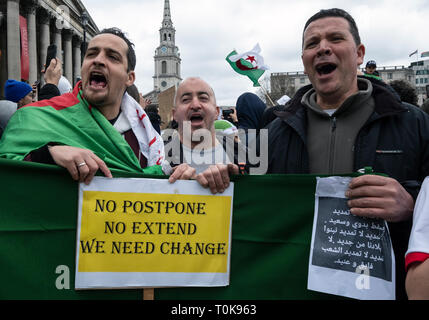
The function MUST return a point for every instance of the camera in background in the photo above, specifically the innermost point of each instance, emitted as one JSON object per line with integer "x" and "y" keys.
{"x": 226, "y": 114}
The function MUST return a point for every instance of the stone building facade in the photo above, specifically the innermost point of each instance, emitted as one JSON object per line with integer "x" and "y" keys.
{"x": 288, "y": 83}
{"x": 28, "y": 27}
{"x": 421, "y": 69}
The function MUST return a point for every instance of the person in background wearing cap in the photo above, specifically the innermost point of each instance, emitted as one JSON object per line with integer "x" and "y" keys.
{"x": 19, "y": 92}
{"x": 194, "y": 150}
{"x": 371, "y": 70}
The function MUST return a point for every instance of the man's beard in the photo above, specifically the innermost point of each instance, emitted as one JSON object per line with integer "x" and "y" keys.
{"x": 93, "y": 100}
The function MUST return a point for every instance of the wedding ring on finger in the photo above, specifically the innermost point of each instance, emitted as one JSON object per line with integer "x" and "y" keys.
{"x": 81, "y": 164}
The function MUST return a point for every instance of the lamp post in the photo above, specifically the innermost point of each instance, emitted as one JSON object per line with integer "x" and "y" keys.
{"x": 84, "y": 21}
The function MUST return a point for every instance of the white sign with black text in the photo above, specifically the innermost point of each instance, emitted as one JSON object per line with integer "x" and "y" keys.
{"x": 350, "y": 256}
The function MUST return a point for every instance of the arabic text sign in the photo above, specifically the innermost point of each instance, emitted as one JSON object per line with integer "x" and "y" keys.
{"x": 350, "y": 256}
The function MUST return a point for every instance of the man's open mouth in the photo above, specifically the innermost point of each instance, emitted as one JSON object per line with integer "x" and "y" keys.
{"x": 196, "y": 118}
{"x": 97, "y": 79}
{"x": 326, "y": 68}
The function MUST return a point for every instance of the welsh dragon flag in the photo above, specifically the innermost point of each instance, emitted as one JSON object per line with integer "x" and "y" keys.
{"x": 250, "y": 64}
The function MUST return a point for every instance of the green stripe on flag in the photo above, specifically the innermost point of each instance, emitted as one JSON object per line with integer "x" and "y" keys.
{"x": 271, "y": 235}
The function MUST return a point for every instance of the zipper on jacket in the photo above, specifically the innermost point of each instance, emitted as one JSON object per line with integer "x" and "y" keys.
{"x": 332, "y": 145}
{"x": 334, "y": 124}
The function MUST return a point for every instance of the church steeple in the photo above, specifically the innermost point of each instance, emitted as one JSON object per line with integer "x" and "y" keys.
{"x": 167, "y": 32}
{"x": 167, "y": 15}
{"x": 167, "y": 57}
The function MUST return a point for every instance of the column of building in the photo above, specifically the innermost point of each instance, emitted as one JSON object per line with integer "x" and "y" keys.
{"x": 42, "y": 31}
{"x": 45, "y": 37}
{"x": 30, "y": 10}
{"x": 68, "y": 59}
{"x": 76, "y": 57}
{"x": 13, "y": 40}
{"x": 58, "y": 41}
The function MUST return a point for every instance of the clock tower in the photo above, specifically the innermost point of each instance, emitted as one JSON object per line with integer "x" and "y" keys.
{"x": 167, "y": 56}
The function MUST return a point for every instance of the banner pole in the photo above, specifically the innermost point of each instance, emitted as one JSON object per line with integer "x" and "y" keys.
{"x": 266, "y": 94}
{"x": 149, "y": 294}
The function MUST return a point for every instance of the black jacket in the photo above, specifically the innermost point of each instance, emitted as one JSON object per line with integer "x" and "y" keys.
{"x": 48, "y": 91}
{"x": 394, "y": 141}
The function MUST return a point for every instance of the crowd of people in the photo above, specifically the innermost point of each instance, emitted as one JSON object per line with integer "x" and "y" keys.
{"x": 342, "y": 122}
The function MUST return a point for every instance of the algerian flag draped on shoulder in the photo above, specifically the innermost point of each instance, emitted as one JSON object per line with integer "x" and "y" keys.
{"x": 70, "y": 120}
{"x": 250, "y": 64}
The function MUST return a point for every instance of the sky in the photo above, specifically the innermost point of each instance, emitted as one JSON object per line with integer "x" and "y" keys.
{"x": 208, "y": 30}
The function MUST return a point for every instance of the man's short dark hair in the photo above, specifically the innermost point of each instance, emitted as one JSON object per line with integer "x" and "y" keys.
{"x": 131, "y": 55}
{"x": 335, "y": 12}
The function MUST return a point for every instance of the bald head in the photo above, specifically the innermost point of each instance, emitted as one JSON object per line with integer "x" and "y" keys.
{"x": 195, "y": 105}
{"x": 189, "y": 83}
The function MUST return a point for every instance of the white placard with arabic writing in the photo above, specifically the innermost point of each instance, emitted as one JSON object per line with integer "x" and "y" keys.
{"x": 350, "y": 256}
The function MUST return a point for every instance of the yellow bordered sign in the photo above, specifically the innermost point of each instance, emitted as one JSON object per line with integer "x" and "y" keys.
{"x": 148, "y": 232}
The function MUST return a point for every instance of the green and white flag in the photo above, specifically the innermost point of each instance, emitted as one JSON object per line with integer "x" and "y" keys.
{"x": 70, "y": 120}
{"x": 250, "y": 64}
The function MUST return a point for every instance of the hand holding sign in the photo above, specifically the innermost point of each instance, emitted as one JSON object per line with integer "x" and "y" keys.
{"x": 379, "y": 197}
{"x": 82, "y": 164}
{"x": 182, "y": 172}
{"x": 216, "y": 177}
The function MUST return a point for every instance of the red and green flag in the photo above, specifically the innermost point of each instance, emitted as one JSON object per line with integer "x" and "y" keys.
{"x": 250, "y": 64}
{"x": 68, "y": 120}
{"x": 425, "y": 54}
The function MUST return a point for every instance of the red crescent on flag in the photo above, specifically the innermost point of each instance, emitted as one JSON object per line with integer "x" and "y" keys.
{"x": 243, "y": 67}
